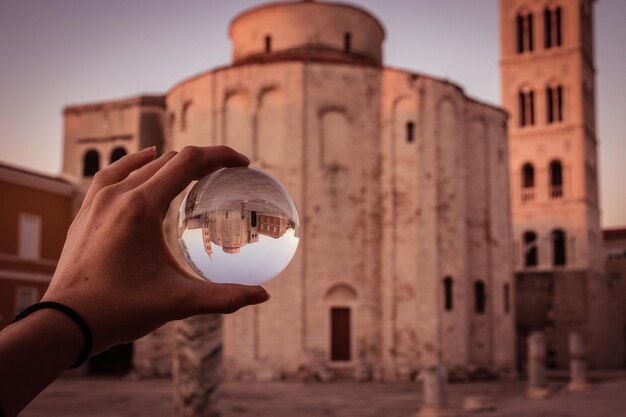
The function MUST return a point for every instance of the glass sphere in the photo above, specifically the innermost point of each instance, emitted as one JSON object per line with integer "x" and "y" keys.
{"x": 238, "y": 225}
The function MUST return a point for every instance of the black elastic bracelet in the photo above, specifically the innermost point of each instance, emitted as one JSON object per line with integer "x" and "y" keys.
{"x": 82, "y": 325}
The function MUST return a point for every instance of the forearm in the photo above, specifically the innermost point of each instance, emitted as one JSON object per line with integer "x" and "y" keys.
{"x": 33, "y": 353}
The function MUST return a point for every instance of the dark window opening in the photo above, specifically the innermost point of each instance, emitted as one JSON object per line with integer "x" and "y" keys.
{"x": 556, "y": 179}
{"x": 506, "y": 293}
{"x": 528, "y": 182}
{"x": 530, "y": 249}
{"x": 340, "y": 334}
{"x": 558, "y": 242}
{"x": 531, "y": 99}
{"x": 480, "y": 301}
{"x": 91, "y": 163}
{"x": 553, "y": 27}
{"x": 554, "y": 104}
{"x": 522, "y": 109}
{"x": 559, "y": 32}
{"x": 520, "y": 33}
{"x": 410, "y": 132}
{"x": 547, "y": 28}
{"x": 268, "y": 44}
{"x": 528, "y": 176}
{"x": 447, "y": 293}
{"x": 117, "y": 153}
{"x": 530, "y": 32}
{"x": 526, "y": 108}
{"x": 253, "y": 219}
{"x": 524, "y": 26}
{"x": 550, "y": 105}
{"x": 559, "y": 103}
{"x": 347, "y": 42}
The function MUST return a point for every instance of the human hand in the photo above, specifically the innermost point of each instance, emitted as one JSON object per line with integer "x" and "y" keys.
{"x": 116, "y": 269}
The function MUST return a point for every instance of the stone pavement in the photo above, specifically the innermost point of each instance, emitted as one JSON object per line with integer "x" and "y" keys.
{"x": 107, "y": 397}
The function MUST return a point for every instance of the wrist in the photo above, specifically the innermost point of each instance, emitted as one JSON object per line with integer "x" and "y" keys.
{"x": 33, "y": 352}
{"x": 61, "y": 334}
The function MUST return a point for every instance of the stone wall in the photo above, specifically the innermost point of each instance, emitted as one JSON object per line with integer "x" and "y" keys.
{"x": 382, "y": 214}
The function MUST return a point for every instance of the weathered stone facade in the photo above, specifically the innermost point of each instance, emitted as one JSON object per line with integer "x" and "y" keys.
{"x": 548, "y": 85}
{"x": 615, "y": 255}
{"x": 402, "y": 185}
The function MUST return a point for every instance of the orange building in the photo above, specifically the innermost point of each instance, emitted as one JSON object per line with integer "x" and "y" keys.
{"x": 36, "y": 211}
{"x": 273, "y": 226}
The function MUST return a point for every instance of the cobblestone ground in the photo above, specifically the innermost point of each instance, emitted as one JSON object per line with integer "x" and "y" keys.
{"x": 102, "y": 397}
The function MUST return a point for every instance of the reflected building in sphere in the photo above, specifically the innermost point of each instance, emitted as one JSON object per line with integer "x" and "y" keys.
{"x": 233, "y": 229}
{"x": 401, "y": 180}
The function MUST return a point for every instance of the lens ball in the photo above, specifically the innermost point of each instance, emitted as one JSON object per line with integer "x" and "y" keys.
{"x": 238, "y": 225}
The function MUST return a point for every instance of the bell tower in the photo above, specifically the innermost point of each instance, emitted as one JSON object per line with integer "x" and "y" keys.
{"x": 548, "y": 86}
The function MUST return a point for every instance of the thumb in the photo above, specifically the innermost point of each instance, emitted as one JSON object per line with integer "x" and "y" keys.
{"x": 212, "y": 298}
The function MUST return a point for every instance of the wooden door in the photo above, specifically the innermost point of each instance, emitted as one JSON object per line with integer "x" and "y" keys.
{"x": 340, "y": 334}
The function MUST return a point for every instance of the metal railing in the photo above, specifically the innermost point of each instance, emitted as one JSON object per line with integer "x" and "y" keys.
{"x": 556, "y": 191}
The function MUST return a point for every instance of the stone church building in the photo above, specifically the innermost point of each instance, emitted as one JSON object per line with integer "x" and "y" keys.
{"x": 409, "y": 252}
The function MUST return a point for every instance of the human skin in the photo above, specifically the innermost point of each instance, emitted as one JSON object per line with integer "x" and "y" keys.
{"x": 117, "y": 272}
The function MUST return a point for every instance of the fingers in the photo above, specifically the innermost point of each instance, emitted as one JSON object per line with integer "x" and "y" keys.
{"x": 189, "y": 164}
{"x": 117, "y": 171}
{"x": 211, "y": 298}
{"x": 144, "y": 173}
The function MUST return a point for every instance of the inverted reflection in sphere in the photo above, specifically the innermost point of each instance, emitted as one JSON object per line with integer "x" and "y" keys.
{"x": 238, "y": 225}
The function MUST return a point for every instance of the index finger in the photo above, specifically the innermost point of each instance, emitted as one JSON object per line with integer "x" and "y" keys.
{"x": 189, "y": 164}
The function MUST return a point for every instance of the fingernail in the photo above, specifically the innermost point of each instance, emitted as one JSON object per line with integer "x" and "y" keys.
{"x": 245, "y": 157}
{"x": 261, "y": 297}
{"x": 151, "y": 150}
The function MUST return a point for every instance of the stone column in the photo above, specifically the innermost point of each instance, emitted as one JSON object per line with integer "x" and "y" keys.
{"x": 197, "y": 366}
{"x": 537, "y": 366}
{"x": 435, "y": 398}
{"x": 577, "y": 364}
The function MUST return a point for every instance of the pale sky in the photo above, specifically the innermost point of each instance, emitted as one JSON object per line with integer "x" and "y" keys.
{"x": 255, "y": 264}
{"x": 54, "y": 53}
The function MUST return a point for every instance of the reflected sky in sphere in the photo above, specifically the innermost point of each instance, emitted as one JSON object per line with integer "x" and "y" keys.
{"x": 254, "y": 265}
{"x": 238, "y": 225}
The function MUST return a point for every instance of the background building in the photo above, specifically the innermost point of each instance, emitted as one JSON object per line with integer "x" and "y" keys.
{"x": 35, "y": 212}
{"x": 400, "y": 178}
{"x": 615, "y": 253}
{"x": 548, "y": 85}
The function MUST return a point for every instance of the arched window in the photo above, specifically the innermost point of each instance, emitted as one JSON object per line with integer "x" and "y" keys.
{"x": 410, "y": 132}
{"x": 184, "y": 116}
{"x": 558, "y": 248}
{"x": 268, "y": 44}
{"x": 91, "y": 163}
{"x": 117, "y": 153}
{"x": 347, "y": 42}
{"x": 506, "y": 295}
{"x": 480, "y": 297}
{"x": 524, "y": 24}
{"x": 556, "y": 179}
{"x": 447, "y": 293}
{"x": 552, "y": 27}
{"x": 526, "y": 104}
{"x": 528, "y": 182}
{"x": 554, "y": 103}
{"x": 530, "y": 249}
{"x": 528, "y": 175}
